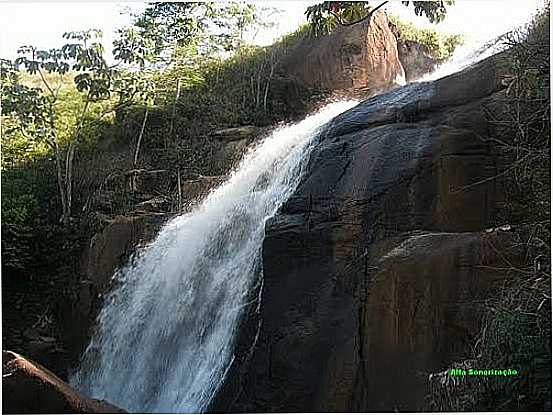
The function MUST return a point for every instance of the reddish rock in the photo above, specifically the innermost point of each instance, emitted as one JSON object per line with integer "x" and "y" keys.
{"x": 358, "y": 58}
{"x": 416, "y": 58}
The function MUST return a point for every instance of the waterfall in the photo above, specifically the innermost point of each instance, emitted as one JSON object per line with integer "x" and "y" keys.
{"x": 477, "y": 49}
{"x": 164, "y": 337}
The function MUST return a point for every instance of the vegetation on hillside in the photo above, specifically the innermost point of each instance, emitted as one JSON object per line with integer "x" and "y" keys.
{"x": 516, "y": 331}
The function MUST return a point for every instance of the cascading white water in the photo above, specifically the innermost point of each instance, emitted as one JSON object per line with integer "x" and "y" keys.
{"x": 165, "y": 334}
{"x": 463, "y": 57}
{"x": 486, "y": 45}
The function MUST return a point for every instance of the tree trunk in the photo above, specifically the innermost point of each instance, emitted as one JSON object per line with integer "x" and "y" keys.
{"x": 174, "y": 114}
{"x": 257, "y": 94}
{"x": 59, "y": 165}
{"x": 70, "y": 155}
{"x": 139, "y": 141}
{"x": 69, "y": 177}
{"x": 180, "y": 191}
{"x": 61, "y": 182}
{"x": 268, "y": 83}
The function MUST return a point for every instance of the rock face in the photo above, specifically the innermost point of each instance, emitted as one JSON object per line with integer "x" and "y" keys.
{"x": 360, "y": 58}
{"x": 416, "y": 59}
{"x": 195, "y": 190}
{"x": 110, "y": 248}
{"x": 376, "y": 268}
{"x": 29, "y": 388}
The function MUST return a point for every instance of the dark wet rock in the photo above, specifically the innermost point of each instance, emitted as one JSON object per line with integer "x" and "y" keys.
{"x": 376, "y": 269}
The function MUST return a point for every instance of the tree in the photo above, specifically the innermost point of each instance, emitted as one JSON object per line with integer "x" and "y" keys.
{"x": 326, "y": 16}
{"x": 435, "y": 11}
{"x": 34, "y": 108}
{"x": 166, "y": 35}
{"x": 169, "y": 33}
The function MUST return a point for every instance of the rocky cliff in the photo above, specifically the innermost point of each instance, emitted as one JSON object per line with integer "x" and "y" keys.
{"x": 417, "y": 59}
{"x": 363, "y": 59}
{"x": 376, "y": 269}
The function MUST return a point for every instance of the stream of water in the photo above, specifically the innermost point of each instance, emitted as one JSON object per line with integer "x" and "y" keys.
{"x": 164, "y": 337}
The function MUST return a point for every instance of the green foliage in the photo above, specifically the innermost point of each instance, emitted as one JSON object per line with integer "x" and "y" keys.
{"x": 20, "y": 216}
{"x": 435, "y": 11}
{"x": 85, "y": 56}
{"x": 324, "y": 17}
{"x": 26, "y": 117}
{"x": 170, "y": 32}
{"x": 24, "y": 109}
{"x": 29, "y": 219}
{"x": 247, "y": 88}
{"x": 440, "y": 45}
{"x": 40, "y": 256}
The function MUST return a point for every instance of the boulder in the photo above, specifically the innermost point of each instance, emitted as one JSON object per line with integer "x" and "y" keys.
{"x": 377, "y": 267}
{"x": 416, "y": 58}
{"x": 116, "y": 242}
{"x": 359, "y": 58}
{"x": 229, "y": 154}
{"x": 231, "y": 144}
{"x": 194, "y": 190}
{"x": 27, "y": 387}
{"x": 146, "y": 181}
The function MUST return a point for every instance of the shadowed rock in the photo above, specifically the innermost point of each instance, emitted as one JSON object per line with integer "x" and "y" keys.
{"x": 29, "y": 388}
{"x": 107, "y": 250}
